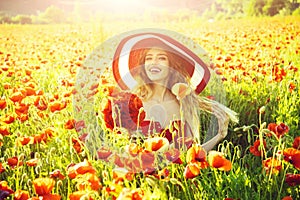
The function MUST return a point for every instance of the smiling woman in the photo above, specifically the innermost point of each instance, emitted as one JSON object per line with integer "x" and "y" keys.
{"x": 168, "y": 77}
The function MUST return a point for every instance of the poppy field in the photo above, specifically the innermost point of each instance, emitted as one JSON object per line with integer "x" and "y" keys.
{"x": 44, "y": 147}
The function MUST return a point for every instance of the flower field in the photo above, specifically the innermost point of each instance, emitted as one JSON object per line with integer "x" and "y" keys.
{"x": 43, "y": 154}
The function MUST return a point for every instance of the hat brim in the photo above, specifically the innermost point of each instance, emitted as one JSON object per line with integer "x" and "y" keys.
{"x": 122, "y": 64}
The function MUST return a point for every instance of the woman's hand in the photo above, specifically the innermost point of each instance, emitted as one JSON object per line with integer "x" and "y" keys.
{"x": 223, "y": 120}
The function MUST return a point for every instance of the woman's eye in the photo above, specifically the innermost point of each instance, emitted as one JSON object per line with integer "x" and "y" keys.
{"x": 148, "y": 58}
{"x": 162, "y": 58}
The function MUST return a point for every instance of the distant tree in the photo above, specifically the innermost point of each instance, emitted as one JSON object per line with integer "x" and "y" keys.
{"x": 53, "y": 15}
{"x": 295, "y": 4}
{"x": 231, "y": 7}
{"x": 255, "y": 7}
{"x": 211, "y": 12}
{"x": 272, "y": 7}
{"x": 5, "y": 18}
{"x": 22, "y": 19}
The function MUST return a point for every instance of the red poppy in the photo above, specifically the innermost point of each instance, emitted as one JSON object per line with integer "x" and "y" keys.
{"x": 91, "y": 182}
{"x": 272, "y": 165}
{"x": 292, "y": 87}
{"x": 14, "y": 161}
{"x": 289, "y": 152}
{"x": 50, "y": 197}
{"x": 118, "y": 160}
{"x": 107, "y": 115}
{"x": 278, "y": 130}
{"x": 5, "y": 190}
{"x": 38, "y": 138}
{"x": 9, "y": 119}
{"x": 293, "y": 156}
{"x": 43, "y": 186}
{"x": 79, "y": 125}
{"x": 121, "y": 174}
{"x": 191, "y": 170}
{"x": 83, "y": 137}
{"x": 196, "y": 154}
{"x": 80, "y": 168}
{"x": 156, "y": 144}
{"x": 22, "y": 117}
{"x": 103, "y": 153}
{"x": 133, "y": 194}
{"x": 40, "y": 103}
{"x": 78, "y": 194}
{"x": 21, "y": 109}
{"x": 287, "y": 198}
{"x": 17, "y": 96}
{"x": 32, "y": 162}
{"x": 57, "y": 106}
{"x": 296, "y": 161}
{"x": 133, "y": 164}
{"x": 181, "y": 90}
{"x": 147, "y": 159}
{"x": 278, "y": 73}
{"x": 4, "y": 131}
{"x": 57, "y": 174}
{"x": 24, "y": 140}
{"x": 134, "y": 149}
{"x": 256, "y": 149}
{"x": 217, "y": 160}
{"x": 77, "y": 145}
{"x": 292, "y": 179}
{"x": 173, "y": 155}
{"x": 281, "y": 129}
{"x": 296, "y": 143}
{"x": 1, "y": 168}
{"x": 6, "y": 86}
{"x": 30, "y": 91}
{"x": 162, "y": 174}
{"x": 21, "y": 195}
{"x": 126, "y": 107}
{"x": 49, "y": 132}
{"x": 70, "y": 124}
{"x": 2, "y": 104}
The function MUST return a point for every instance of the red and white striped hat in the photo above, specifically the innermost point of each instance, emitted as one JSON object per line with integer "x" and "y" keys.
{"x": 125, "y": 59}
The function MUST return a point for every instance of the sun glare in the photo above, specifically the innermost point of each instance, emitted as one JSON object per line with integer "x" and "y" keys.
{"x": 116, "y": 6}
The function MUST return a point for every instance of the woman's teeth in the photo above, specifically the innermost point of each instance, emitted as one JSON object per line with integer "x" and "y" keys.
{"x": 154, "y": 69}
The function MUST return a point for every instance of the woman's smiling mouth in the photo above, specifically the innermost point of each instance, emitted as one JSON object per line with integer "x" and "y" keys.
{"x": 154, "y": 70}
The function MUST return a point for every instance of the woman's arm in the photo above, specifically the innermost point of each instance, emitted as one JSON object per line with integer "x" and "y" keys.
{"x": 223, "y": 121}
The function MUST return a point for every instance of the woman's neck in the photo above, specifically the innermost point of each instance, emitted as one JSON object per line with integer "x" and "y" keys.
{"x": 161, "y": 93}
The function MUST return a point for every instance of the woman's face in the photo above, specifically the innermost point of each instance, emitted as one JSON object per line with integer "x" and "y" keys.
{"x": 157, "y": 65}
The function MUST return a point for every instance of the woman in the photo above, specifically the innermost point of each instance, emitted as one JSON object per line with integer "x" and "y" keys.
{"x": 168, "y": 77}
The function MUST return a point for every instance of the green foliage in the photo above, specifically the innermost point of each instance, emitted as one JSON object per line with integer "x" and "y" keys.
{"x": 296, "y": 12}
{"x": 272, "y": 7}
{"x": 5, "y": 19}
{"x": 22, "y": 19}
{"x": 53, "y": 15}
{"x": 222, "y": 9}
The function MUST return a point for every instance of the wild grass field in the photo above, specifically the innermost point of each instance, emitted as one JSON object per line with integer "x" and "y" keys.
{"x": 42, "y": 154}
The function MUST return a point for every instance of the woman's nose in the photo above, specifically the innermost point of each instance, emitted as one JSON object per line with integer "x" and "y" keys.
{"x": 155, "y": 61}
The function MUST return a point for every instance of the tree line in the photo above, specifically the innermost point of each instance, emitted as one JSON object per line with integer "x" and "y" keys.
{"x": 218, "y": 9}
{"x": 238, "y": 8}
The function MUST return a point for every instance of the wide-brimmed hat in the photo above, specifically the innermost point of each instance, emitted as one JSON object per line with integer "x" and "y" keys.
{"x": 125, "y": 59}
